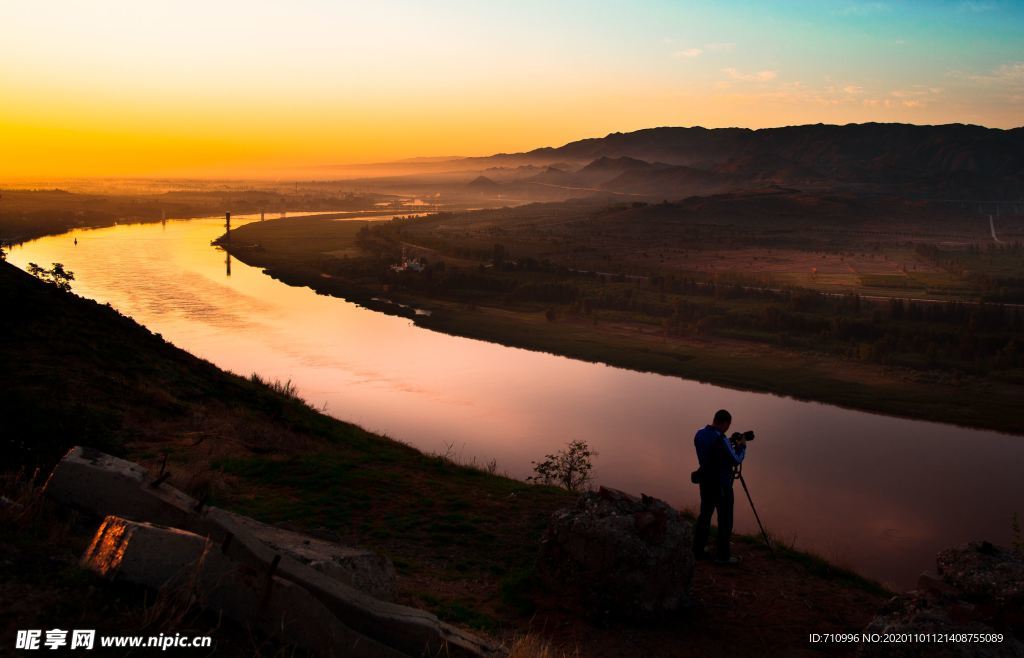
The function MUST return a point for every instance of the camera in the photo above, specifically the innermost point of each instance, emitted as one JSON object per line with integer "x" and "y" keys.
{"x": 746, "y": 436}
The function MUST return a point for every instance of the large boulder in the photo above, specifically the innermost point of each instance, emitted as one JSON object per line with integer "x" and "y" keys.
{"x": 979, "y": 591}
{"x": 623, "y": 555}
{"x": 985, "y": 572}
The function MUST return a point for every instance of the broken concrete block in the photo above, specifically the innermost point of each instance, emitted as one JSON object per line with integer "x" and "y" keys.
{"x": 101, "y": 484}
{"x": 98, "y": 483}
{"x": 143, "y": 553}
{"x": 104, "y": 485}
{"x": 159, "y": 557}
{"x": 365, "y": 570}
{"x": 409, "y": 630}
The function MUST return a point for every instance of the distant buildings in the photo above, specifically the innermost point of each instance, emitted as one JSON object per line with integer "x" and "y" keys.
{"x": 410, "y": 265}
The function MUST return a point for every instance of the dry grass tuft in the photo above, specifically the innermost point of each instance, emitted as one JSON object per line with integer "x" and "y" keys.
{"x": 533, "y": 645}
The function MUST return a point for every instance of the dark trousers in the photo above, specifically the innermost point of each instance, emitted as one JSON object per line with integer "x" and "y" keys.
{"x": 714, "y": 496}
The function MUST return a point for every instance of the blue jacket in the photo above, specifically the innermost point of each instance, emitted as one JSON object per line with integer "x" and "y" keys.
{"x": 716, "y": 456}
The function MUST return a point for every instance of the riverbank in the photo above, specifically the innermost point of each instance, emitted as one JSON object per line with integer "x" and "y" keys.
{"x": 463, "y": 540}
{"x": 26, "y": 214}
{"x": 327, "y": 258}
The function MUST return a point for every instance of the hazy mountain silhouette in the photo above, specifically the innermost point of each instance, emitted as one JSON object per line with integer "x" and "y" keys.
{"x": 482, "y": 184}
{"x": 959, "y": 160}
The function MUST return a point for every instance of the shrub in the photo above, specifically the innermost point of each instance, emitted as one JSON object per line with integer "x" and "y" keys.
{"x": 570, "y": 468}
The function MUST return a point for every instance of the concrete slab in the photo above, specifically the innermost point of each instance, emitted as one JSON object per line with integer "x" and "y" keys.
{"x": 101, "y": 484}
{"x": 160, "y": 557}
{"x": 363, "y": 569}
{"x": 105, "y": 485}
{"x": 409, "y": 630}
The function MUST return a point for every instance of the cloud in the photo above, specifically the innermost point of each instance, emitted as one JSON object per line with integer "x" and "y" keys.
{"x": 759, "y": 76}
{"x": 1011, "y": 73}
{"x": 913, "y": 98}
{"x": 853, "y": 90}
{"x": 1006, "y": 80}
{"x": 687, "y": 53}
{"x": 697, "y": 51}
{"x": 722, "y": 47}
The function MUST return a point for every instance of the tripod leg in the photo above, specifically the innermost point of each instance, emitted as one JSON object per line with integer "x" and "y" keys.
{"x": 760, "y": 525}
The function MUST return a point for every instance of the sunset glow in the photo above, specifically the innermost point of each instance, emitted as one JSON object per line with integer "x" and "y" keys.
{"x": 259, "y": 88}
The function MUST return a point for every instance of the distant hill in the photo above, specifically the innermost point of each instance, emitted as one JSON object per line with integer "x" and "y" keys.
{"x": 482, "y": 184}
{"x": 555, "y": 176}
{"x": 965, "y": 161}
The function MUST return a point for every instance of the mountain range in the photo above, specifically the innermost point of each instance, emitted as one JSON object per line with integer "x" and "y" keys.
{"x": 953, "y": 161}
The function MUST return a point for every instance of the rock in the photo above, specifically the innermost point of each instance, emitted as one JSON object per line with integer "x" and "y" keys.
{"x": 159, "y": 557}
{"x": 980, "y": 589}
{"x": 983, "y": 571}
{"x": 623, "y": 555}
{"x": 919, "y": 612}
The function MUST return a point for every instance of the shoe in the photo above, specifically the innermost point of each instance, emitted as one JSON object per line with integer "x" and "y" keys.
{"x": 732, "y": 559}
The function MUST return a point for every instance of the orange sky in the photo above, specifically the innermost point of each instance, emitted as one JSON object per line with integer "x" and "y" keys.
{"x": 232, "y": 89}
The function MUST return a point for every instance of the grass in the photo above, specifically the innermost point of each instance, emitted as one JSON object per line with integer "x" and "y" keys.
{"x": 816, "y": 565}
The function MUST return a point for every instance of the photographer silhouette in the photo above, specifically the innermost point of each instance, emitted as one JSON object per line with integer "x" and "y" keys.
{"x": 718, "y": 456}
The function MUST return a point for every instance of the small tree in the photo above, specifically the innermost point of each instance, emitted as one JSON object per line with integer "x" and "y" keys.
{"x": 56, "y": 275}
{"x": 570, "y": 468}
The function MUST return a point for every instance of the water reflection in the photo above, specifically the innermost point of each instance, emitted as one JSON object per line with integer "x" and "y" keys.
{"x": 877, "y": 493}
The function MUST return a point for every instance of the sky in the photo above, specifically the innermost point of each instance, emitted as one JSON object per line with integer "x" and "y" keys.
{"x": 231, "y": 89}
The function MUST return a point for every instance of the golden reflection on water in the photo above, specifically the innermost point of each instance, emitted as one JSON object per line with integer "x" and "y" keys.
{"x": 878, "y": 493}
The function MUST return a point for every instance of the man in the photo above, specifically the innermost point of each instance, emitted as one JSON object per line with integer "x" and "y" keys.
{"x": 717, "y": 457}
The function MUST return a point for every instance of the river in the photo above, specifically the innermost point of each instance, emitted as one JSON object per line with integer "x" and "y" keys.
{"x": 878, "y": 494}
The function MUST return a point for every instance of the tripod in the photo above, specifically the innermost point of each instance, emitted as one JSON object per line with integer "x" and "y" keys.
{"x": 738, "y": 475}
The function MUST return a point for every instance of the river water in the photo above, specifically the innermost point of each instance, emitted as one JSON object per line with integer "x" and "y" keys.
{"x": 879, "y": 494}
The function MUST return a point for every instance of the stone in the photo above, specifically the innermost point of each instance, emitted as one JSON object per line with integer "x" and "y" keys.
{"x": 978, "y": 590}
{"x": 935, "y": 585}
{"x": 919, "y": 612}
{"x": 623, "y": 555}
{"x": 159, "y": 557}
{"x": 983, "y": 571}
